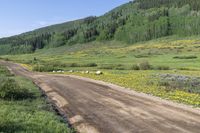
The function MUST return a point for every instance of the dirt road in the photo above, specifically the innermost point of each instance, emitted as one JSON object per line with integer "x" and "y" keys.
{"x": 97, "y": 107}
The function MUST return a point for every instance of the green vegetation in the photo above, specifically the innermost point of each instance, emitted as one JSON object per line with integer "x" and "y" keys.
{"x": 150, "y": 82}
{"x": 144, "y": 65}
{"x": 134, "y": 45}
{"x": 186, "y": 83}
{"x": 185, "y": 57}
{"x": 10, "y": 90}
{"x": 23, "y": 109}
{"x": 136, "y": 21}
{"x": 120, "y": 65}
{"x": 158, "y": 54}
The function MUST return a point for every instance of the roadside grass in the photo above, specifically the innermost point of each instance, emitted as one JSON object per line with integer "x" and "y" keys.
{"x": 26, "y": 113}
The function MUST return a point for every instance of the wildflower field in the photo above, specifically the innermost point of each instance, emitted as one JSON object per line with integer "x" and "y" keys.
{"x": 147, "y": 82}
{"x": 139, "y": 67}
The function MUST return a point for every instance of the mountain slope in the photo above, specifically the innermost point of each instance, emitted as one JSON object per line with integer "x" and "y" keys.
{"x": 136, "y": 21}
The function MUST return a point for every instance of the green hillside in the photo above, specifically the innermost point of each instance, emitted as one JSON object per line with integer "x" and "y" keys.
{"x": 136, "y": 21}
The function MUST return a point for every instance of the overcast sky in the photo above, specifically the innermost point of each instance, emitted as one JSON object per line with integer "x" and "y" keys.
{"x": 18, "y": 16}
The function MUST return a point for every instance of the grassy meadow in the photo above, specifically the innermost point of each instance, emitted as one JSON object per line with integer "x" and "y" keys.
{"x": 156, "y": 67}
{"x": 23, "y": 109}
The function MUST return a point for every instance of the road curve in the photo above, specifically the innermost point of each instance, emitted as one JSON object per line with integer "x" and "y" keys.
{"x": 97, "y": 107}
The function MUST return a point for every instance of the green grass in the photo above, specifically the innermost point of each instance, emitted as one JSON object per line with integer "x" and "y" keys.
{"x": 158, "y": 52}
{"x": 27, "y": 114}
{"x": 125, "y": 65}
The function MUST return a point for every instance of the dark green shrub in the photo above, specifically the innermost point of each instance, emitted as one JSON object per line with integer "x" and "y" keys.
{"x": 55, "y": 64}
{"x": 187, "y": 69}
{"x": 135, "y": 67}
{"x": 109, "y": 67}
{"x": 162, "y": 67}
{"x": 4, "y": 71}
{"x": 120, "y": 68}
{"x": 74, "y": 65}
{"x": 90, "y": 65}
{"x": 6, "y": 59}
{"x": 144, "y": 65}
{"x": 113, "y": 67}
{"x": 45, "y": 68}
{"x": 185, "y": 57}
{"x": 10, "y": 90}
{"x": 38, "y": 68}
{"x": 34, "y": 59}
{"x": 141, "y": 56}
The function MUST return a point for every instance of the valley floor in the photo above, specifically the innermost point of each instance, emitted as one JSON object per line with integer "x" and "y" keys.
{"x": 168, "y": 67}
